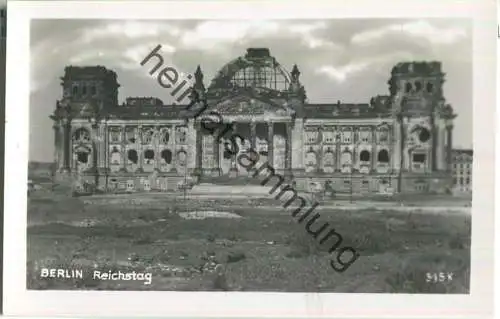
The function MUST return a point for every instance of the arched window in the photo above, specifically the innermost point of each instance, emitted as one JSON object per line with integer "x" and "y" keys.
{"x": 383, "y": 156}
{"x": 81, "y": 135}
{"x": 166, "y": 155}
{"x": 149, "y": 154}
{"x": 364, "y": 156}
{"x": 181, "y": 155}
{"x": 75, "y": 89}
{"x": 148, "y": 136}
{"x": 165, "y": 137}
{"x": 82, "y": 157}
{"x": 93, "y": 90}
{"x": 115, "y": 136}
{"x": 418, "y": 86}
{"x": 130, "y": 134}
{"x": 346, "y": 158}
{"x": 132, "y": 156}
{"x": 408, "y": 87}
{"x": 383, "y": 135}
{"x": 84, "y": 89}
{"x": 424, "y": 135}
{"x": 311, "y": 159}
{"x": 430, "y": 87}
{"x": 115, "y": 156}
{"x": 329, "y": 158}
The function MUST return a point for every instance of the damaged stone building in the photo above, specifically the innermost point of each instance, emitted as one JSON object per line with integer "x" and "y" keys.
{"x": 400, "y": 141}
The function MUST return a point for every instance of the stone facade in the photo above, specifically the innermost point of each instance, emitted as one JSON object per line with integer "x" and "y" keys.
{"x": 462, "y": 170}
{"x": 399, "y": 142}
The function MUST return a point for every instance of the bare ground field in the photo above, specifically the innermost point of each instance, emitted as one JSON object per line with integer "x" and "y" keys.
{"x": 264, "y": 250}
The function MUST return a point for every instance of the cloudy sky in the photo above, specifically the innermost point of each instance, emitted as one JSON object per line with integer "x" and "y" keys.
{"x": 344, "y": 59}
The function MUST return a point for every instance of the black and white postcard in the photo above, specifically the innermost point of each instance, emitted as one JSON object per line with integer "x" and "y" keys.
{"x": 230, "y": 159}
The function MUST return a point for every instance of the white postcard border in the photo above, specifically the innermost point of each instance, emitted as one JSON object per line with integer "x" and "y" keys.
{"x": 19, "y": 301}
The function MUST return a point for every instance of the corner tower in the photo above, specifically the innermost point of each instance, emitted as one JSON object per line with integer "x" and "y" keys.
{"x": 423, "y": 126}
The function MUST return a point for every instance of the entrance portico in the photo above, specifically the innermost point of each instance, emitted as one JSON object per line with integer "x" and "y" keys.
{"x": 269, "y": 135}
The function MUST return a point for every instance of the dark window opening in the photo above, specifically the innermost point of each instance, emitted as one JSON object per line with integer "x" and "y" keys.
{"x": 408, "y": 87}
{"x": 132, "y": 156}
{"x": 181, "y": 155}
{"x": 454, "y": 181}
{"x": 418, "y": 86}
{"x": 467, "y": 180}
{"x": 383, "y": 156}
{"x": 419, "y": 158}
{"x": 93, "y": 90}
{"x": 84, "y": 90}
{"x": 347, "y": 182}
{"x": 364, "y": 156}
{"x": 364, "y": 183}
{"x": 430, "y": 87}
{"x": 166, "y": 138}
{"x": 424, "y": 135}
{"x": 461, "y": 180}
{"x": 149, "y": 154}
{"x": 384, "y": 182}
{"x": 167, "y": 156}
{"x": 75, "y": 90}
{"x": 83, "y": 157}
{"x": 263, "y": 153}
{"x": 227, "y": 154}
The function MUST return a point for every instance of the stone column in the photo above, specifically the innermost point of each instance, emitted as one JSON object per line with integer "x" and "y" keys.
{"x": 270, "y": 143}
{"x": 449, "y": 147}
{"x": 216, "y": 147}
{"x": 298, "y": 145}
{"x": 355, "y": 159}
{"x": 374, "y": 149}
{"x": 434, "y": 140}
{"x": 288, "y": 148}
{"x": 319, "y": 154}
{"x": 338, "y": 146}
{"x": 124, "y": 148}
{"x": 441, "y": 148}
{"x": 67, "y": 145}
{"x": 96, "y": 156}
{"x": 140, "y": 147}
{"x": 103, "y": 139}
{"x": 191, "y": 140}
{"x": 172, "y": 139}
{"x": 199, "y": 149}
{"x": 156, "y": 143}
{"x": 57, "y": 145}
{"x": 233, "y": 157}
{"x": 395, "y": 146}
{"x": 253, "y": 135}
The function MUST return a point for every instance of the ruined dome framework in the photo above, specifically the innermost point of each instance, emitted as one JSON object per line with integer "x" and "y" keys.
{"x": 257, "y": 69}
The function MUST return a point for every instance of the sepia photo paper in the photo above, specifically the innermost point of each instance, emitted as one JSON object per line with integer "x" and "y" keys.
{"x": 250, "y": 158}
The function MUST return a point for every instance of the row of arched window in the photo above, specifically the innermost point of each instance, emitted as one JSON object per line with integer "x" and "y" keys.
{"x": 147, "y": 136}
{"x": 83, "y": 89}
{"x": 364, "y": 156}
{"x": 418, "y": 86}
{"x": 166, "y": 156}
